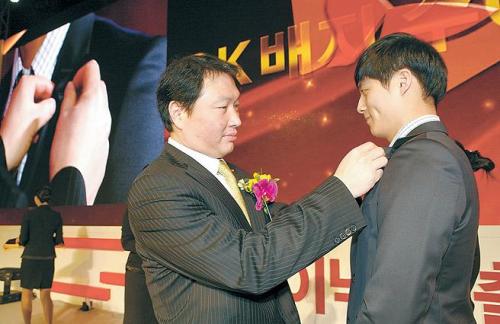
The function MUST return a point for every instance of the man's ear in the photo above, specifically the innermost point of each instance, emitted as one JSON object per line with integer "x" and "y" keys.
{"x": 404, "y": 79}
{"x": 177, "y": 114}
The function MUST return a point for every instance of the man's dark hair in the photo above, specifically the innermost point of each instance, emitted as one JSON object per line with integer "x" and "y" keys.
{"x": 44, "y": 194}
{"x": 182, "y": 81}
{"x": 400, "y": 50}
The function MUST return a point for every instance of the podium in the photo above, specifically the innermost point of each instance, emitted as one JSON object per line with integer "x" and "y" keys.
{"x": 7, "y": 275}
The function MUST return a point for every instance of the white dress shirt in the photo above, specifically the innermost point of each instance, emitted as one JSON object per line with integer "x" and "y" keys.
{"x": 209, "y": 163}
{"x": 406, "y": 129}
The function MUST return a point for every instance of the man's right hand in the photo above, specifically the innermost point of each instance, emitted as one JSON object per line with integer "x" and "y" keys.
{"x": 29, "y": 109}
{"x": 361, "y": 168}
{"x": 82, "y": 132}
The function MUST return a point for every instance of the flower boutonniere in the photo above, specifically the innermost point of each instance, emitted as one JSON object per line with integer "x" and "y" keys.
{"x": 263, "y": 187}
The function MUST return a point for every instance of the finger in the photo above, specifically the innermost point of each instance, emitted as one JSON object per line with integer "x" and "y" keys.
{"x": 375, "y": 152}
{"x": 69, "y": 99}
{"x": 45, "y": 111}
{"x": 43, "y": 88}
{"x": 87, "y": 76}
{"x": 104, "y": 93}
{"x": 365, "y": 147}
{"x": 380, "y": 162}
{"x": 378, "y": 174}
{"x": 36, "y": 87}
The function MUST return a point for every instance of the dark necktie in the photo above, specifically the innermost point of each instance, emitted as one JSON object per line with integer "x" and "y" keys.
{"x": 397, "y": 145}
{"x": 20, "y": 74}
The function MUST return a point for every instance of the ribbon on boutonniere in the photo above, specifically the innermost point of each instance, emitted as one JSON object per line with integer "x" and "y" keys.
{"x": 263, "y": 187}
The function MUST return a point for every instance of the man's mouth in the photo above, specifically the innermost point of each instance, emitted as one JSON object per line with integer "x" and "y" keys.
{"x": 231, "y": 137}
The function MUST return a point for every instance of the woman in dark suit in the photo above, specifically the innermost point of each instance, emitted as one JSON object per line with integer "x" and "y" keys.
{"x": 41, "y": 231}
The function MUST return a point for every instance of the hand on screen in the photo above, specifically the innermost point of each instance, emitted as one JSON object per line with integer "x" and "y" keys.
{"x": 81, "y": 138}
{"x": 30, "y": 107}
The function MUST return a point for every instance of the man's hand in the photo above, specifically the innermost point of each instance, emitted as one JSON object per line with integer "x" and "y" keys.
{"x": 361, "y": 168}
{"x": 82, "y": 132}
{"x": 30, "y": 107}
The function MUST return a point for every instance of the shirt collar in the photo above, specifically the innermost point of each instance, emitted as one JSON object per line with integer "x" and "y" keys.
{"x": 406, "y": 129}
{"x": 210, "y": 163}
{"x": 45, "y": 59}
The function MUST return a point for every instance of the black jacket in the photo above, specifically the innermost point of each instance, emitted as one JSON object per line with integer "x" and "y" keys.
{"x": 41, "y": 230}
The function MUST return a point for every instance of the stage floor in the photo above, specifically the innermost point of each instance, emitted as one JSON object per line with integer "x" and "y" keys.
{"x": 63, "y": 313}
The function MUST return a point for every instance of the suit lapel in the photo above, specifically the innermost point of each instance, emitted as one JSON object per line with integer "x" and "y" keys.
{"x": 201, "y": 175}
{"x": 433, "y": 126}
{"x": 372, "y": 195}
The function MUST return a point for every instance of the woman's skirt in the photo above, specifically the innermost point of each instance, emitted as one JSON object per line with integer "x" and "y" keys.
{"x": 37, "y": 274}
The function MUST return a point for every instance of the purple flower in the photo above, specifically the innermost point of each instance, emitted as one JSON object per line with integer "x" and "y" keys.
{"x": 264, "y": 191}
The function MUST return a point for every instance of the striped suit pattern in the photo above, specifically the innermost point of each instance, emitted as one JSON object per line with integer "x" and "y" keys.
{"x": 203, "y": 261}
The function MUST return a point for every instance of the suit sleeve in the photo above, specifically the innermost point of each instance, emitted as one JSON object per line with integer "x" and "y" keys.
{"x": 59, "y": 230}
{"x": 127, "y": 238}
{"x": 174, "y": 227}
{"x": 422, "y": 196}
{"x": 10, "y": 194}
{"x": 24, "y": 237}
{"x": 68, "y": 187}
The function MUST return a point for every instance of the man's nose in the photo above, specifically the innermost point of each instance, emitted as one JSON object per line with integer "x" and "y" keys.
{"x": 234, "y": 120}
{"x": 361, "y": 105}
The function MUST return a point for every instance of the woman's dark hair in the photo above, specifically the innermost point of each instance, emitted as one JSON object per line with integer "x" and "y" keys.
{"x": 44, "y": 194}
{"x": 477, "y": 161}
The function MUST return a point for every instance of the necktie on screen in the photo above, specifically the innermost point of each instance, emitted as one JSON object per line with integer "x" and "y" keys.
{"x": 20, "y": 74}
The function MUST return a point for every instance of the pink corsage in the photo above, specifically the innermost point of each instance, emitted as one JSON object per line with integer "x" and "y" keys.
{"x": 263, "y": 187}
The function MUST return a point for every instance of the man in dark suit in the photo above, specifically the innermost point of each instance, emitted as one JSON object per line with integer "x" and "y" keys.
{"x": 413, "y": 261}
{"x": 208, "y": 254}
{"x": 130, "y": 64}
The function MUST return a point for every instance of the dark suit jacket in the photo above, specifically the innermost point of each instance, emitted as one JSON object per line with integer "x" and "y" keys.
{"x": 128, "y": 243}
{"x": 131, "y": 64}
{"x": 205, "y": 264}
{"x": 413, "y": 261}
{"x": 41, "y": 230}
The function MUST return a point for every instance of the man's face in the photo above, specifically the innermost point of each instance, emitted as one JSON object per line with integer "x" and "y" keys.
{"x": 379, "y": 106}
{"x": 211, "y": 126}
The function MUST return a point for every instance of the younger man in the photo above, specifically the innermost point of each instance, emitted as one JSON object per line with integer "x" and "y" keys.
{"x": 413, "y": 261}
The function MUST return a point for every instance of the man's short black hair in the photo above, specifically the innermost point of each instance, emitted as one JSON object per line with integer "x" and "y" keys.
{"x": 400, "y": 50}
{"x": 182, "y": 81}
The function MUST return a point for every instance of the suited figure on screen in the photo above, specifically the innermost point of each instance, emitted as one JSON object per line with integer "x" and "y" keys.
{"x": 209, "y": 256}
{"x": 413, "y": 262}
{"x": 130, "y": 65}
{"x": 30, "y": 107}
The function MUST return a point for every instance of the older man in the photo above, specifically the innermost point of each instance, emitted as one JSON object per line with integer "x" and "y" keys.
{"x": 208, "y": 255}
